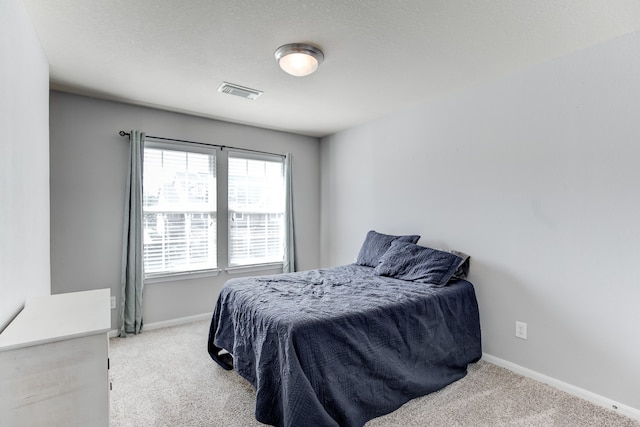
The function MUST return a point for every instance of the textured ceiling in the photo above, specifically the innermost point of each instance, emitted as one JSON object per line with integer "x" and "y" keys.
{"x": 380, "y": 55}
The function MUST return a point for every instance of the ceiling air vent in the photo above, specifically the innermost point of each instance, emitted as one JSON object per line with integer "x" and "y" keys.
{"x": 237, "y": 90}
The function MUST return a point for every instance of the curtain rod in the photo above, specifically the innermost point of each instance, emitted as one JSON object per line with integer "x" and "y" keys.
{"x": 222, "y": 147}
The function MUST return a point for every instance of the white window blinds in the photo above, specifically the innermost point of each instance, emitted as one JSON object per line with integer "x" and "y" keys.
{"x": 256, "y": 197}
{"x": 179, "y": 209}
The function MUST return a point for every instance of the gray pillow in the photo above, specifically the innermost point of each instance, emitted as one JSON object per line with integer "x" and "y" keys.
{"x": 408, "y": 261}
{"x": 376, "y": 244}
{"x": 463, "y": 268}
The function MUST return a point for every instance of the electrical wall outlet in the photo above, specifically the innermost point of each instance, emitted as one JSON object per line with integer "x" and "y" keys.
{"x": 521, "y": 330}
{"x": 113, "y": 303}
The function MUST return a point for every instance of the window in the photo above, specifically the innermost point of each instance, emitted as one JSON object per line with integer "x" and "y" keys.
{"x": 179, "y": 209}
{"x": 256, "y": 200}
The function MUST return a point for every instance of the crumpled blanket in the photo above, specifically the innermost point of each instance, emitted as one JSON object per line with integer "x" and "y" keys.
{"x": 341, "y": 346}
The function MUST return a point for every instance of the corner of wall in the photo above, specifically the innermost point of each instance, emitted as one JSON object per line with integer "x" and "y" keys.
{"x": 24, "y": 162}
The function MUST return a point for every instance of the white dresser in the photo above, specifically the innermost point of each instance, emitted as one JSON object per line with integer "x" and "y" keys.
{"x": 54, "y": 362}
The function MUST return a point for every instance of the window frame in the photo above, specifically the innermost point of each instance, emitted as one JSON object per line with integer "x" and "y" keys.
{"x": 165, "y": 276}
{"x": 221, "y": 210}
{"x": 267, "y": 265}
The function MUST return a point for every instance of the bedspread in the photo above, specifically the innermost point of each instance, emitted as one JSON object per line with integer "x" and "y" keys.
{"x": 341, "y": 346}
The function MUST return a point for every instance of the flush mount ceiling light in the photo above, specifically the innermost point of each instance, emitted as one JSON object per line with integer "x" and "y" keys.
{"x": 299, "y": 59}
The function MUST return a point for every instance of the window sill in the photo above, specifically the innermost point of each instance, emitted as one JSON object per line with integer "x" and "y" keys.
{"x": 172, "y": 277}
{"x": 251, "y": 268}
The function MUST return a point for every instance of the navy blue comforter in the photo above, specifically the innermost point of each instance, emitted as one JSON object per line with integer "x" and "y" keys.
{"x": 341, "y": 346}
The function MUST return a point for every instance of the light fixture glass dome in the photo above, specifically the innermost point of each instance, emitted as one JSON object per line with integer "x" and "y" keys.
{"x": 299, "y": 59}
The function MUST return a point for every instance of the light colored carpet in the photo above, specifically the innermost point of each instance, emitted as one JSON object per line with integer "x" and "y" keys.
{"x": 165, "y": 377}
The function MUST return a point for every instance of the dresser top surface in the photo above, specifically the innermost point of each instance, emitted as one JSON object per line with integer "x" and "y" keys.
{"x": 56, "y": 317}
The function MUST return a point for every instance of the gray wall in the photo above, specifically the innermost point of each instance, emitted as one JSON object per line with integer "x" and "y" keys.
{"x": 24, "y": 162}
{"x": 88, "y": 178}
{"x": 536, "y": 176}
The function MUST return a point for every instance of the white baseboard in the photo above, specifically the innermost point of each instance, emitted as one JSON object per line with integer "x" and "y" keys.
{"x": 167, "y": 323}
{"x": 571, "y": 389}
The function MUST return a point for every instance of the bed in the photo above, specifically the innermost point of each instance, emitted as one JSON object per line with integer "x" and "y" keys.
{"x": 343, "y": 345}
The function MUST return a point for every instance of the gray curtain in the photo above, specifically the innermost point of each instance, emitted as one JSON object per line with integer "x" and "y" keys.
{"x": 289, "y": 264}
{"x": 132, "y": 262}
